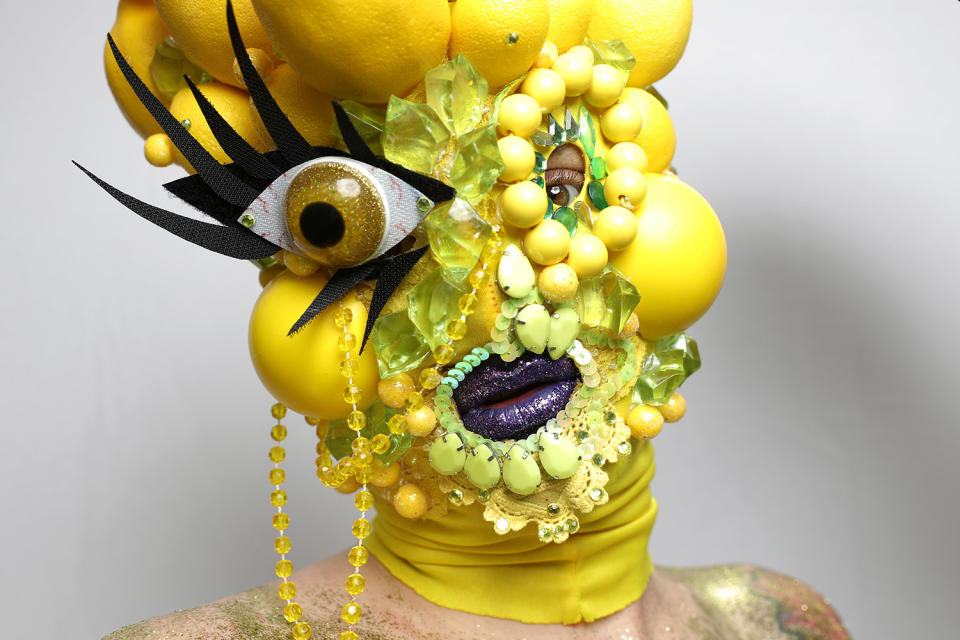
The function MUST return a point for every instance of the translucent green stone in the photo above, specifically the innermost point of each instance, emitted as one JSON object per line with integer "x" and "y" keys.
{"x": 169, "y": 65}
{"x": 556, "y": 131}
{"x": 431, "y": 305}
{"x": 621, "y": 299}
{"x": 476, "y": 163}
{"x": 595, "y": 194}
{"x": 482, "y": 467}
{"x": 614, "y": 53}
{"x": 591, "y": 302}
{"x": 598, "y": 168}
{"x": 538, "y": 180}
{"x": 457, "y": 236}
{"x": 397, "y": 344}
{"x": 558, "y": 456}
{"x": 520, "y": 472}
{"x": 457, "y": 92}
{"x": 340, "y": 436}
{"x": 671, "y": 361}
{"x": 541, "y": 163}
{"x": 583, "y": 215}
{"x": 543, "y": 139}
{"x": 571, "y": 126}
{"x": 414, "y": 135}
{"x": 566, "y": 217}
{"x": 588, "y": 132}
{"x": 447, "y": 454}
{"x": 368, "y": 121}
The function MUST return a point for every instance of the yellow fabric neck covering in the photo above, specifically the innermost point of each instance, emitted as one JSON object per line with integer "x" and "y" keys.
{"x": 459, "y": 562}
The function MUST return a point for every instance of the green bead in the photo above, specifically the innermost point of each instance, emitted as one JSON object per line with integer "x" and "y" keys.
{"x": 515, "y": 273}
{"x": 671, "y": 361}
{"x": 540, "y": 165}
{"x": 564, "y": 327}
{"x": 558, "y": 456}
{"x": 458, "y": 93}
{"x": 482, "y": 467}
{"x": 431, "y": 305}
{"x": 588, "y": 132}
{"x": 457, "y": 236}
{"x": 447, "y": 454}
{"x": 598, "y": 168}
{"x": 476, "y": 162}
{"x": 414, "y": 135}
{"x": 533, "y": 327}
{"x": 397, "y": 343}
{"x": 520, "y": 472}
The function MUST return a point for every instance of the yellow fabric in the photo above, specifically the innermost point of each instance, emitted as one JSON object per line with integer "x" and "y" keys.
{"x": 459, "y": 562}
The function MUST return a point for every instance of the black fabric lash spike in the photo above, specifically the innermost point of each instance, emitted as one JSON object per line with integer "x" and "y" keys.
{"x": 224, "y": 183}
{"x": 352, "y": 138}
{"x": 336, "y": 287}
{"x": 391, "y": 274}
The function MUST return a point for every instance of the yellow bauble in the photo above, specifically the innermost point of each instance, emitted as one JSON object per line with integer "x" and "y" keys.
{"x": 626, "y": 154}
{"x": 200, "y": 30}
{"x": 657, "y": 136}
{"x": 518, "y": 158}
{"x": 621, "y": 122}
{"x": 523, "y": 204}
{"x": 576, "y": 72}
{"x": 519, "y": 114}
{"x": 569, "y": 20}
{"x": 410, "y": 501}
{"x": 588, "y": 255}
{"x": 616, "y": 227}
{"x": 502, "y": 38}
{"x": 137, "y": 32}
{"x": 644, "y": 422}
{"x": 303, "y": 370}
{"x": 547, "y": 87}
{"x": 547, "y": 243}
{"x": 158, "y": 150}
{"x": 558, "y": 282}
{"x": 310, "y": 111}
{"x": 625, "y": 187}
{"x": 655, "y": 31}
{"x": 605, "y": 87}
{"x": 678, "y": 258}
{"x": 366, "y": 51}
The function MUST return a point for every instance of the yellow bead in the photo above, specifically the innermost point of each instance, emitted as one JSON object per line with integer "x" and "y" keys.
{"x": 358, "y": 555}
{"x": 284, "y": 568}
{"x": 278, "y": 432}
{"x": 414, "y": 401}
{"x": 362, "y": 459}
{"x": 576, "y": 71}
{"x": 583, "y": 51}
{"x": 357, "y": 420}
{"x": 361, "y": 528}
{"x": 301, "y": 631}
{"x": 360, "y": 445}
{"x": 626, "y": 154}
{"x": 675, "y": 408}
{"x": 430, "y": 378}
{"x": 349, "y": 635}
{"x": 384, "y": 477}
{"x": 347, "y": 342}
{"x": 324, "y": 459}
{"x": 467, "y": 303}
{"x": 278, "y": 411}
{"x": 281, "y": 521}
{"x": 363, "y": 500}
{"x": 476, "y": 280}
{"x": 300, "y": 265}
{"x": 397, "y": 424}
{"x": 278, "y": 498}
{"x": 548, "y": 55}
{"x": 292, "y": 612}
{"x": 547, "y": 243}
{"x": 644, "y": 422}
{"x": 546, "y": 87}
{"x": 616, "y": 227}
{"x": 351, "y": 394}
{"x": 158, "y": 149}
{"x": 277, "y": 454}
{"x": 443, "y": 354}
{"x": 282, "y": 544}
{"x": 343, "y": 317}
{"x": 410, "y": 501}
{"x": 321, "y": 429}
{"x": 393, "y": 390}
{"x": 380, "y": 443}
{"x": 519, "y": 114}
{"x": 588, "y": 255}
{"x": 621, "y": 122}
{"x": 625, "y": 187}
{"x": 558, "y": 282}
{"x": 364, "y": 474}
{"x": 313, "y": 421}
{"x": 355, "y": 584}
{"x": 518, "y": 158}
{"x": 348, "y": 485}
{"x": 421, "y": 422}
{"x": 630, "y": 329}
{"x": 456, "y": 329}
{"x": 277, "y": 476}
{"x": 351, "y": 613}
{"x": 523, "y": 204}
{"x": 606, "y": 85}
{"x": 349, "y": 367}
{"x": 287, "y": 591}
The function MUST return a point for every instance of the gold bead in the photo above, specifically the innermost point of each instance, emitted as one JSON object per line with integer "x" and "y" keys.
{"x": 357, "y": 420}
{"x": 287, "y": 591}
{"x": 362, "y": 459}
{"x": 292, "y": 612}
{"x": 312, "y": 421}
{"x": 284, "y": 568}
{"x": 397, "y": 424}
{"x": 277, "y": 476}
{"x": 302, "y": 631}
{"x": 343, "y": 317}
{"x": 360, "y": 444}
{"x": 363, "y": 500}
{"x": 675, "y": 408}
{"x": 477, "y": 278}
{"x": 421, "y": 422}
{"x": 277, "y": 454}
{"x": 278, "y": 411}
{"x": 380, "y": 443}
{"x": 278, "y": 432}
{"x": 384, "y": 476}
{"x": 467, "y": 303}
{"x": 414, "y": 400}
{"x": 349, "y": 367}
{"x": 321, "y": 430}
{"x": 348, "y": 485}
{"x": 282, "y": 544}
{"x": 323, "y": 460}
{"x": 457, "y": 329}
{"x": 358, "y": 556}
{"x": 351, "y": 395}
{"x": 355, "y": 584}
{"x": 443, "y": 353}
{"x": 347, "y": 342}
{"x": 278, "y": 498}
{"x": 410, "y": 501}
{"x": 281, "y": 521}
{"x": 361, "y": 528}
{"x": 393, "y": 390}
{"x": 349, "y": 635}
{"x": 644, "y": 422}
{"x": 351, "y": 613}
{"x": 430, "y": 378}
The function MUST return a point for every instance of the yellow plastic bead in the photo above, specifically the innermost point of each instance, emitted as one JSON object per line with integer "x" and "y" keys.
{"x": 360, "y": 445}
{"x": 349, "y": 635}
{"x": 626, "y": 154}
{"x": 548, "y": 55}
{"x": 292, "y": 612}
{"x": 430, "y": 378}
{"x": 355, "y": 584}
{"x": 410, "y": 501}
{"x": 675, "y": 408}
{"x": 349, "y": 367}
{"x": 351, "y": 613}
{"x": 343, "y": 317}
{"x": 277, "y": 476}
{"x": 443, "y": 353}
{"x": 278, "y": 498}
{"x": 277, "y": 454}
{"x": 546, "y": 87}
{"x": 625, "y": 187}
{"x": 421, "y": 422}
{"x": 518, "y": 158}
{"x": 278, "y": 432}
{"x": 348, "y": 485}
{"x": 301, "y": 631}
{"x": 644, "y": 422}
{"x": 621, "y": 122}
{"x": 278, "y": 411}
{"x": 467, "y": 303}
{"x": 414, "y": 401}
{"x": 357, "y": 420}
{"x": 284, "y": 568}
{"x": 364, "y": 474}
{"x": 558, "y": 282}
{"x": 158, "y": 149}
{"x": 358, "y": 556}
{"x": 393, "y": 390}
{"x": 582, "y": 51}
{"x": 363, "y": 500}
{"x": 523, "y": 204}
{"x": 519, "y": 114}
{"x": 361, "y": 528}
{"x": 397, "y": 424}
{"x": 351, "y": 394}
{"x": 281, "y": 521}
{"x": 478, "y": 277}
{"x": 616, "y": 227}
{"x": 605, "y": 86}
{"x": 547, "y": 243}
{"x": 384, "y": 477}
{"x": 588, "y": 255}
{"x": 282, "y": 544}
{"x": 456, "y": 329}
{"x": 630, "y": 329}
{"x": 321, "y": 429}
{"x": 576, "y": 71}
{"x": 362, "y": 459}
{"x": 380, "y": 443}
{"x": 287, "y": 591}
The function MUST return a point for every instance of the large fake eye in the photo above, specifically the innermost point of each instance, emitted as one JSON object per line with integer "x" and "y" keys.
{"x": 337, "y": 211}
{"x": 564, "y": 176}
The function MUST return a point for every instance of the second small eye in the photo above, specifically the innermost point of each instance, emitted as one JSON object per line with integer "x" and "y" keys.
{"x": 564, "y": 176}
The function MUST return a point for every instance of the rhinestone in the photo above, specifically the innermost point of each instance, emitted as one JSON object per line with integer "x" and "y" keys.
{"x": 553, "y": 508}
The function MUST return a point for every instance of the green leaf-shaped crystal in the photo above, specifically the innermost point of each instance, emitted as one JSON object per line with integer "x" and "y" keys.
{"x": 566, "y": 217}
{"x": 571, "y": 126}
{"x": 169, "y": 65}
{"x": 368, "y": 121}
{"x": 457, "y": 92}
{"x": 477, "y": 163}
{"x": 595, "y": 194}
{"x": 540, "y": 162}
{"x": 543, "y": 139}
{"x": 432, "y": 304}
{"x": 397, "y": 344}
{"x": 672, "y": 360}
{"x": 457, "y": 236}
{"x": 614, "y": 53}
{"x": 414, "y": 135}
{"x": 588, "y": 132}
{"x": 598, "y": 168}
{"x": 556, "y": 130}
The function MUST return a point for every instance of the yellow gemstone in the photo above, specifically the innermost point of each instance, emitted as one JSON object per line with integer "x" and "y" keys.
{"x": 349, "y": 367}
{"x": 284, "y": 568}
{"x": 281, "y": 521}
{"x": 457, "y": 329}
{"x": 358, "y": 556}
{"x": 430, "y": 378}
{"x": 397, "y": 424}
{"x": 301, "y": 631}
{"x": 278, "y": 432}
{"x": 277, "y": 454}
{"x": 380, "y": 443}
{"x": 287, "y": 591}
{"x": 343, "y": 317}
{"x": 467, "y": 303}
{"x": 360, "y": 444}
{"x": 351, "y": 613}
{"x": 278, "y": 411}
{"x": 282, "y": 544}
{"x": 393, "y": 390}
{"x": 321, "y": 430}
{"x": 277, "y": 476}
{"x": 349, "y": 635}
{"x": 421, "y": 422}
{"x": 357, "y": 420}
{"x": 410, "y": 501}
{"x": 292, "y": 612}
{"x": 355, "y": 584}
{"x": 443, "y": 353}
{"x": 362, "y": 459}
{"x": 414, "y": 401}
{"x": 363, "y": 500}
{"x": 351, "y": 395}
{"x": 278, "y": 498}
{"x": 361, "y": 528}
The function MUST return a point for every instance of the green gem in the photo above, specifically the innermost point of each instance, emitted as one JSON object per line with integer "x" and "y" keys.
{"x": 457, "y": 236}
{"x": 566, "y": 217}
{"x": 671, "y": 361}
{"x": 624, "y": 448}
{"x": 583, "y": 214}
{"x": 368, "y": 121}
{"x": 553, "y": 509}
{"x": 595, "y": 193}
{"x": 169, "y": 65}
{"x": 458, "y": 93}
{"x": 476, "y": 163}
{"x": 447, "y": 454}
{"x": 431, "y": 305}
{"x": 538, "y": 180}
{"x": 456, "y": 496}
{"x": 186, "y": 123}
{"x": 424, "y": 204}
{"x": 397, "y": 344}
{"x": 621, "y": 299}
{"x": 599, "y": 460}
{"x": 609, "y": 416}
{"x": 545, "y": 533}
{"x": 482, "y": 467}
{"x": 583, "y": 435}
{"x": 588, "y": 132}
{"x": 247, "y": 219}
{"x": 483, "y": 495}
{"x": 598, "y": 168}
{"x": 571, "y": 126}
{"x": 556, "y": 130}
{"x": 571, "y": 525}
{"x": 591, "y": 302}
{"x": 597, "y": 494}
{"x": 560, "y": 532}
{"x": 414, "y": 136}
{"x": 513, "y": 37}
{"x": 543, "y": 139}
{"x": 614, "y": 53}
{"x": 541, "y": 162}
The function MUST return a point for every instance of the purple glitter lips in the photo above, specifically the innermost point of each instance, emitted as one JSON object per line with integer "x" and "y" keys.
{"x": 511, "y": 400}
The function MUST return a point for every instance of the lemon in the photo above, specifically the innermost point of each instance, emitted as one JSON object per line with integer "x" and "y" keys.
{"x": 366, "y": 51}
{"x": 657, "y": 135}
{"x": 200, "y": 30}
{"x": 502, "y": 38}
{"x": 677, "y": 259}
{"x": 137, "y": 31}
{"x": 569, "y": 20}
{"x": 655, "y": 31}
{"x": 310, "y": 111}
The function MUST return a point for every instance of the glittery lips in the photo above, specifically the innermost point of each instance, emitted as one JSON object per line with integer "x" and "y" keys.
{"x": 510, "y": 400}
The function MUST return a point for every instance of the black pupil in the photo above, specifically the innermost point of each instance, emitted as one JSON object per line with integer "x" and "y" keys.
{"x": 321, "y": 224}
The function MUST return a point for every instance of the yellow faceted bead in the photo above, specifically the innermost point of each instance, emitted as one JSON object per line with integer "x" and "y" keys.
{"x": 410, "y": 501}
{"x": 324, "y": 459}
{"x": 348, "y": 485}
{"x": 430, "y": 378}
{"x": 675, "y": 408}
{"x": 616, "y": 227}
{"x": 588, "y": 255}
{"x": 605, "y": 86}
{"x": 281, "y": 521}
{"x": 343, "y": 317}
{"x": 277, "y": 476}
{"x": 278, "y": 411}
{"x": 576, "y": 71}
{"x": 158, "y": 150}
{"x": 467, "y": 303}
{"x": 644, "y": 422}
{"x": 630, "y": 329}
{"x": 625, "y": 187}
{"x": 626, "y": 154}
{"x": 351, "y": 394}
{"x": 287, "y": 591}
{"x": 361, "y": 528}
{"x": 518, "y": 158}
{"x": 558, "y": 282}
{"x": 397, "y": 424}
{"x": 421, "y": 422}
{"x": 282, "y": 544}
{"x": 360, "y": 444}
{"x": 351, "y": 613}
{"x": 476, "y": 280}
{"x": 457, "y": 329}
{"x": 363, "y": 500}
{"x": 313, "y": 421}
{"x": 547, "y": 243}
{"x": 292, "y": 612}
{"x": 442, "y": 353}
{"x": 284, "y": 568}
{"x": 523, "y": 204}
{"x": 347, "y": 342}
{"x": 393, "y": 390}
{"x": 349, "y": 635}
{"x": 344, "y": 466}
{"x": 356, "y": 583}
{"x": 302, "y": 631}
{"x": 321, "y": 430}
{"x": 519, "y": 114}
{"x": 277, "y": 454}
{"x": 384, "y": 477}
{"x": 357, "y": 420}
{"x": 278, "y": 432}
{"x": 414, "y": 401}
{"x": 546, "y": 86}
{"x": 621, "y": 122}
{"x": 278, "y": 498}
{"x": 380, "y": 443}
{"x": 364, "y": 474}
{"x": 362, "y": 459}
{"x": 349, "y": 367}
{"x": 358, "y": 556}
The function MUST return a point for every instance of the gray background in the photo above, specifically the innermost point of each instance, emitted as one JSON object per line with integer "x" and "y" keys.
{"x": 819, "y": 439}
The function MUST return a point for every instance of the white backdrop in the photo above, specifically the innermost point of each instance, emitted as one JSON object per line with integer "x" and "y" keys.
{"x": 818, "y": 440}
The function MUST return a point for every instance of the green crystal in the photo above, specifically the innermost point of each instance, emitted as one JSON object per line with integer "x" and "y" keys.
{"x": 614, "y": 53}
{"x": 541, "y": 163}
{"x": 457, "y": 236}
{"x": 671, "y": 361}
{"x": 340, "y": 437}
{"x": 583, "y": 214}
{"x": 368, "y": 121}
{"x": 477, "y": 163}
{"x": 457, "y": 92}
{"x": 169, "y": 65}
{"x": 414, "y": 135}
{"x": 591, "y": 303}
{"x": 397, "y": 344}
{"x": 571, "y": 126}
{"x": 538, "y": 180}
{"x": 556, "y": 131}
{"x": 566, "y": 217}
{"x": 543, "y": 139}
{"x": 595, "y": 193}
{"x": 432, "y": 304}
{"x": 588, "y": 132}
{"x": 598, "y": 168}
{"x": 621, "y": 299}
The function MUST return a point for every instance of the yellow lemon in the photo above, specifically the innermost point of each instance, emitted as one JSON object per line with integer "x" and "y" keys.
{"x": 303, "y": 371}
{"x": 655, "y": 31}
{"x": 310, "y": 111}
{"x": 365, "y": 51}
{"x": 137, "y": 32}
{"x": 569, "y": 20}
{"x": 230, "y": 102}
{"x": 657, "y": 136}
{"x": 200, "y": 30}
{"x": 502, "y": 38}
{"x": 677, "y": 259}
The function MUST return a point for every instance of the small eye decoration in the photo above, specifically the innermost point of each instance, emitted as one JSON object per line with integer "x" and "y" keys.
{"x": 565, "y": 174}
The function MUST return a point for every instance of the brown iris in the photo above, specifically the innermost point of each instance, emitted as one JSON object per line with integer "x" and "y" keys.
{"x": 565, "y": 173}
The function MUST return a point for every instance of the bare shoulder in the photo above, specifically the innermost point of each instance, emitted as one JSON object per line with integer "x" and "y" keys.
{"x": 753, "y": 603}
